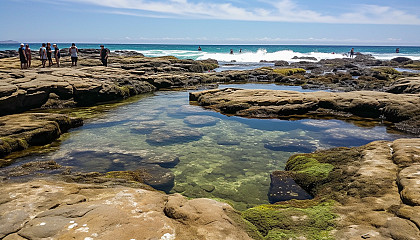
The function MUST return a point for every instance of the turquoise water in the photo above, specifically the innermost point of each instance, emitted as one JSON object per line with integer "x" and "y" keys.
{"x": 250, "y": 53}
{"x": 231, "y": 158}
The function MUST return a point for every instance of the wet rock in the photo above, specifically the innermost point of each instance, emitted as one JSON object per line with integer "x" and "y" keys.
{"x": 228, "y": 142}
{"x": 208, "y": 187}
{"x": 20, "y": 131}
{"x": 372, "y": 184}
{"x": 164, "y": 160}
{"x": 201, "y": 121}
{"x": 286, "y": 104}
{"x": 291, "y": 145}
{"x": 405, "y": 86}
{"x": 281, "y": 63}
{"x": 174, "y": 135}
{"x": 158, "y": 177}
{"x": 401, "y": 59}
{"x": 284, "y": 188}
{"x": 305, "y": 58}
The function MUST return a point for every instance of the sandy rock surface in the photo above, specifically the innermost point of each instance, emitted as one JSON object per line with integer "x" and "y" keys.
{"x": 42, "y": 209}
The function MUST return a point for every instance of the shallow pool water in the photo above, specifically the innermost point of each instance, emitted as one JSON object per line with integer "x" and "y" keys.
{"x": 220, "y": 157}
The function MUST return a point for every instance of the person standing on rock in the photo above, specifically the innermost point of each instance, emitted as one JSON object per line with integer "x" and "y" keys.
{"x": 104, "y": 55}
{"x": 57, "y": 54}
{"x": 49, "y": 55}
{"x": 352, "y": 53}
{"x": 43, "y": 54}
{"x": 28, "y": 54}
{"x": 73, "y": 53}
{"x": 22, "y": 57}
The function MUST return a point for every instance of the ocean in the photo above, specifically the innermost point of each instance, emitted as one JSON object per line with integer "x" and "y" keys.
{"x": 249, "y": 53}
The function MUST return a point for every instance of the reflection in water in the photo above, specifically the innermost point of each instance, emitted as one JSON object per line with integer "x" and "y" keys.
{"x": 219, "y": 156}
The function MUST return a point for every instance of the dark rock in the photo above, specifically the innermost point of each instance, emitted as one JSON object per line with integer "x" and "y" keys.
{"x": 284, "y": 188}
{"x": 305, "y": 58}
{"x": 401, "y": 59}
{"x": 159, "y": 178}
{"x": 228, "y": 142}
{"x": 207, "y": 187}
{"x": 281, "y": 63}
{"x": 164, "y": 160}
{"x": 291, "y": 145}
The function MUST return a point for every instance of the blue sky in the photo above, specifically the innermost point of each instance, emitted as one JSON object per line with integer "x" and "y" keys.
{"x": 368, "y": 22}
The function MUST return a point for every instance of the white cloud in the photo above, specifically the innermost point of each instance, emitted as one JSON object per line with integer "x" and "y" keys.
{"x": 278, "y": 11}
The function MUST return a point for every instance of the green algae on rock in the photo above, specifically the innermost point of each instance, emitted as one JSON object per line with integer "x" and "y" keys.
{"x": 303, "y": 219}
{"x": 375, "y": 187}
{"x": 19, "y": 131}
{"x": 307, "y": 171}
{"x": 289, "y": 71}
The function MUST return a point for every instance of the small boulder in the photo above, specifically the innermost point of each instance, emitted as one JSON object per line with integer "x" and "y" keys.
{"x": 401, "y": 59}
{"x": 281, "y": 63}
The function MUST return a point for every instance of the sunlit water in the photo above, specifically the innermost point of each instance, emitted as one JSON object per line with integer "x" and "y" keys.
{"x": 234, "y": 155}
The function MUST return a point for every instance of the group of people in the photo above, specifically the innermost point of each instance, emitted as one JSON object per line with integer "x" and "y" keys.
{"x": 46, "y": 54}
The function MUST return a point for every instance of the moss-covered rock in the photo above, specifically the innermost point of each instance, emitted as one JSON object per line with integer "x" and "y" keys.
{"x": 308, "y": 172}
{"x": 307, "y": 219}
{"x": 289, "y": 71}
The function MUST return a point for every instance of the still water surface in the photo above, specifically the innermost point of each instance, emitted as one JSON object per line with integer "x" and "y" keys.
{"x": 231, "y": 160}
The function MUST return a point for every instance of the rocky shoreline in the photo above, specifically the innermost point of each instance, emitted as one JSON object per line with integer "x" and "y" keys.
{"x": 370, "y": 191}
{"x": 401, "y": 109}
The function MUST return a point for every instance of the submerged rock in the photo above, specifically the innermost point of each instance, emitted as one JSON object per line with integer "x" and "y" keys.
{"x": 284, "y": 188}
{"x": 228, "y": 142}
{"x": 291, "y": 145}
{"x": 146, "y": 127}
{"x": 171, "y": 136}
{"x": 201, "y": 121}
{"x": 164, "y": 160}
{"x": 158, "y": 177}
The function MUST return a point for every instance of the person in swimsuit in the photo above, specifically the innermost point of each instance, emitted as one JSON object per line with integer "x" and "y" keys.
{"x": 22, "y": 57}
{"x": 43, "y": 54}
{"x": 49, "y": 54}
{"x": 57, "y": 54}
{"x": 73, "y": 53}
{"x": 28, "y": 55}
{"x": 352, "y": 52}
{"x": 199, "y": 48}
{"x": 104, "y": 55}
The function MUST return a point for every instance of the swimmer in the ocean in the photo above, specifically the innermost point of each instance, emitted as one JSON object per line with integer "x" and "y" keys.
{"x": 199, "y": 48}
{"x": 231, "y": 51}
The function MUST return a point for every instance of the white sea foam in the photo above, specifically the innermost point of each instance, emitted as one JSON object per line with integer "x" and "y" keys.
{"x": 262, "y": 55}
{"x": 389, "y": 56}
{"x": 247, "y": 57}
